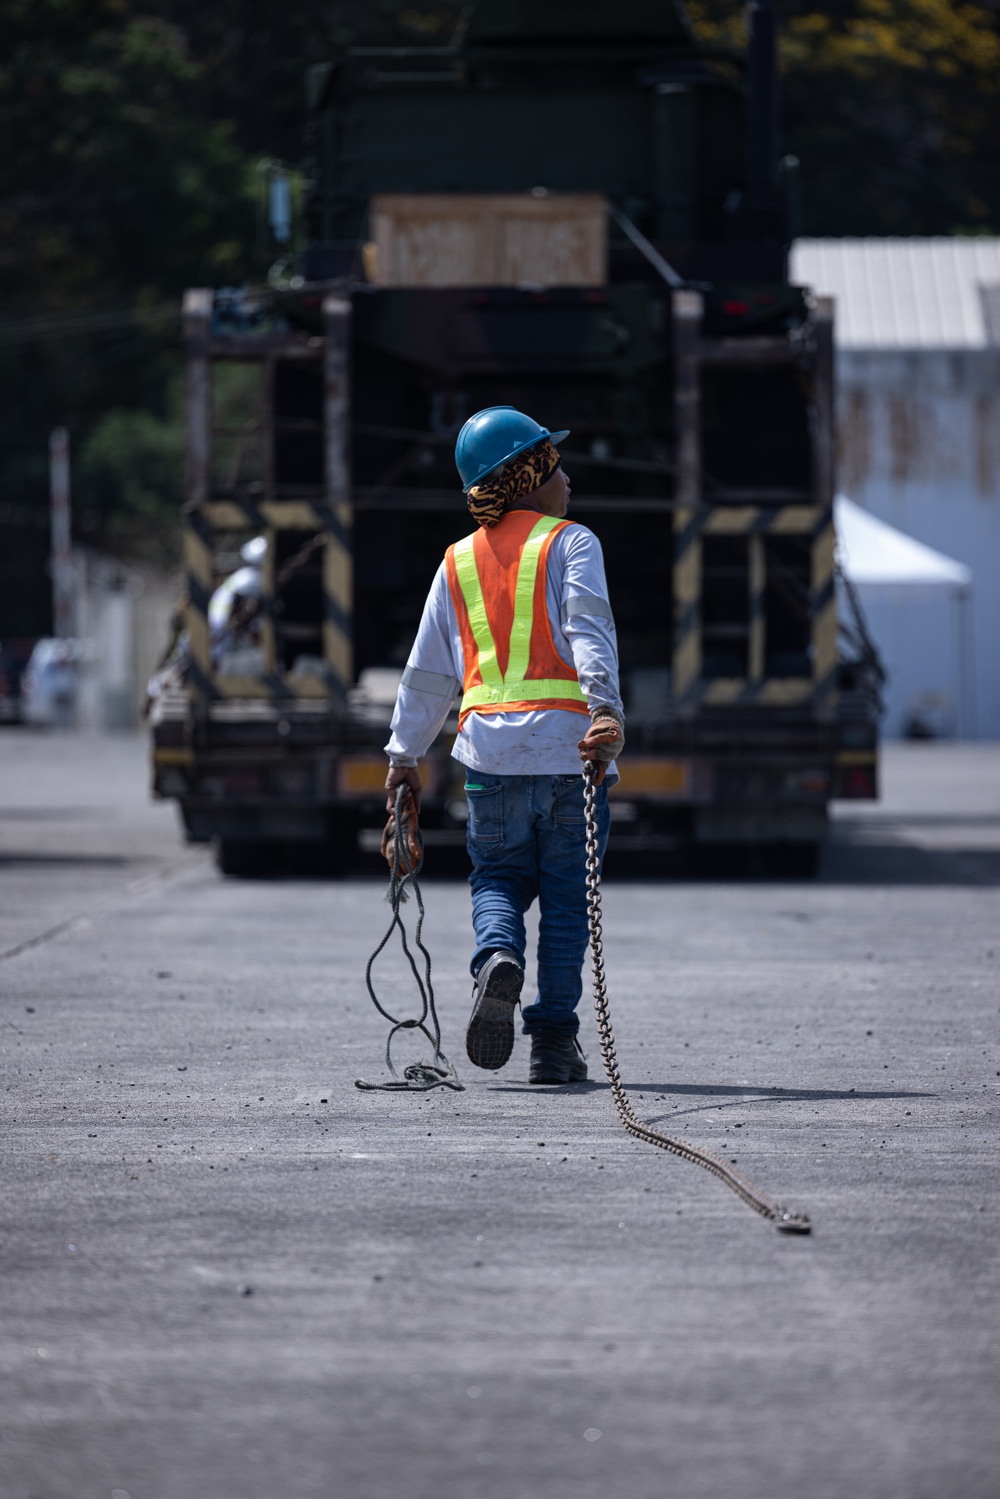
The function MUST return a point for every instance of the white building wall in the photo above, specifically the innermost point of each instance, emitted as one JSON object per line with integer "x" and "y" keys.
{"x": 919, "y": 446}
{"x": 122, "y": 614}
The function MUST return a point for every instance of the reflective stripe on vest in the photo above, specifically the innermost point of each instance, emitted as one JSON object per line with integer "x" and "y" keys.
{"x": 514, "y": 685}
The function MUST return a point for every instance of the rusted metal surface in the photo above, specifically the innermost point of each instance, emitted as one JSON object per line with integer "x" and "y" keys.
{"x": 336, "y": 399}
{"x": 197, "y": 317}
{"x": 757, "y": 581}
{"x": 265, "y": 419}
{"x": 905, "y": 436}
{"x": 823, "y": 403}
{"x": 338, "y": 571}
{"x": 824, "y": 620}
{"x": 912, "y": 418}
{"x": 823, "y": 599}
{"x": 491, "y": 239}
{"x": 854, "y": 439}
{"x": 686, "y": 664}
{"x": 919, "y": 446}
{"x": 986, "y": 443}
{"x": 687, "y": 310}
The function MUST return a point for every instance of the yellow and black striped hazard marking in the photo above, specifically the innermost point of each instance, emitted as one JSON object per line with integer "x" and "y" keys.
{"x": 198, "y": 555}
{"x": 201, "y": 524}
{"x": 691, "y": 690}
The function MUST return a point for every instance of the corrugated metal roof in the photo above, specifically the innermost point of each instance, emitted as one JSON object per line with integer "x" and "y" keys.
{"x": 904, "y": 293}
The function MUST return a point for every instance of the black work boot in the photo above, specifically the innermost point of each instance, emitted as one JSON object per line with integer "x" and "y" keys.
{"x": 489, "y": 1039}
{"x": 556, "y": 1057}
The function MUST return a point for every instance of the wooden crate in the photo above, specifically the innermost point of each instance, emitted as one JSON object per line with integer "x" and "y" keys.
{"x": 499, "y": 239}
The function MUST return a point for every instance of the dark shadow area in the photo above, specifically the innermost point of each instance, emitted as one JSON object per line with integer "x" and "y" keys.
{"x": 330, "y": 861}
{"x": 887, "y": 822}
{"x": 770, "y": 1095}
{"x": 874, "y": 853}
{"x": 866, "y": 851}
{"x": 714, "y": 862}
{"x": 765, "y": 1094}
{"x": 746, "y": 1095}
{"x": 860, "y": 853}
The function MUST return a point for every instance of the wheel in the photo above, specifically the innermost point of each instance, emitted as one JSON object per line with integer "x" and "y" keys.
{"x": 244, "y": 858}
{"x": 192, "y": 833}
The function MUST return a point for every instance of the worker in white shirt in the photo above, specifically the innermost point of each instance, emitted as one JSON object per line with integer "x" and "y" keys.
{"x": 518, "y": 621}
{"x": 234, "y": 614}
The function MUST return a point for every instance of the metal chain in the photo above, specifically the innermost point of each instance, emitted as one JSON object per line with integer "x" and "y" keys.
{"x": 418, "y": 1077}
{"x": 785, "y": 1221}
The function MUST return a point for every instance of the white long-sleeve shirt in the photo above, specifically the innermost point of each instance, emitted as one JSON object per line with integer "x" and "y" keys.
{"x": 542, "y": 741}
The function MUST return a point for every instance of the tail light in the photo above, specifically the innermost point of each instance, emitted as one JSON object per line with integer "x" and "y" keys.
{"x": 857, "y": 783}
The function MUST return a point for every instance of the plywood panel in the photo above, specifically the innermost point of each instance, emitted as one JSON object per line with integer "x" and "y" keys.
{"x": 503, "y": 239}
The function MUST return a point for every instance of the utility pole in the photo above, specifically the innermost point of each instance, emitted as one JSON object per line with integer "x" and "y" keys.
{"x": 59, "y": 502}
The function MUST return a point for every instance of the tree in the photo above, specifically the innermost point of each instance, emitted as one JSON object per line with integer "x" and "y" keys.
{"x": 117, "y": 189}
{"x": 893, "y": 108}
{"x": 120, "y": 186}
{"x": 132, "y": 129}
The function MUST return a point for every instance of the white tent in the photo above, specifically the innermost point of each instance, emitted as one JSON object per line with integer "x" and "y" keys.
{"x": 874, "y": 554}
{"x": 890, "y": 568}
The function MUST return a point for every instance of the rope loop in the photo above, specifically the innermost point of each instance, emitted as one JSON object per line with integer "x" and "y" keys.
{"x": 418, "y": 1077}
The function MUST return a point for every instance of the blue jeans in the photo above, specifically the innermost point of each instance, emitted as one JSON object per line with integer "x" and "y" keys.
{"x": 527, "y": 838}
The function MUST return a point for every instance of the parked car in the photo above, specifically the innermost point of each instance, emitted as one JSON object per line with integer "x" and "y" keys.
{"x": 14, "y": 655}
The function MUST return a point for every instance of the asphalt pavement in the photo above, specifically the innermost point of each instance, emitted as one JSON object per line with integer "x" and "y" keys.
{"x": 229, "y": 1274}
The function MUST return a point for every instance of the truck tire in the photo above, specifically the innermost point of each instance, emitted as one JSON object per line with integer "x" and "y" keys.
{"x": 244, "y": 858}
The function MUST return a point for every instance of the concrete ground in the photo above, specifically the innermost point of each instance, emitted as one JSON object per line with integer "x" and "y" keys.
{"x": 229, "y": 1273}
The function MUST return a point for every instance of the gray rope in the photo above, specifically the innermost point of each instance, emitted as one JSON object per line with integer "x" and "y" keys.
{"x": 418, "y": 1077}
{"x": 784, "y": 1221}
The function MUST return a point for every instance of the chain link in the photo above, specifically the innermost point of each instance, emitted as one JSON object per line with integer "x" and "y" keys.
{"x": 785, "y": 1221}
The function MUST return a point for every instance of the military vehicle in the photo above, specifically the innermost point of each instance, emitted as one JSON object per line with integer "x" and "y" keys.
{"x": 578, "y": 210}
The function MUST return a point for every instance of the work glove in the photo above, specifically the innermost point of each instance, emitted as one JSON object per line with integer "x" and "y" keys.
{"x": 604, "y": 740}
{"x": 402, "y": 775}
{"x": 410, "y": 860}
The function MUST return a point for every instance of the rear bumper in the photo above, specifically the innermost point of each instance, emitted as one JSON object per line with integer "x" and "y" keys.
{"x": 715, "y": 784}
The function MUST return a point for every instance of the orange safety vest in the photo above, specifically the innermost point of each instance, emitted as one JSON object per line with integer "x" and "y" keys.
{"x": 497, "y": 580}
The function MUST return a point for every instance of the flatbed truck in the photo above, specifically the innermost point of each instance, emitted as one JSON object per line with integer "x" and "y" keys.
{"x": 660, "y": 328}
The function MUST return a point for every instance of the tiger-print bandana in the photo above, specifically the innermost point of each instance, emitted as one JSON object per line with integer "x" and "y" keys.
{"x": 520, "y": 476}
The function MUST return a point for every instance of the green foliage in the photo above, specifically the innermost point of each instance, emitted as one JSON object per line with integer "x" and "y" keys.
{"x": 129, "y": 478}
{"x": 120, "y": 186}
{"x": 892, "y": 106}
{"x": 117, "y": 189}
{"x": 132, "y": 129}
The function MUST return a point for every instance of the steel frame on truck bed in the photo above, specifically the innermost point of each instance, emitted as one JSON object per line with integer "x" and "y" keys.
{"x": 280, "y": 756}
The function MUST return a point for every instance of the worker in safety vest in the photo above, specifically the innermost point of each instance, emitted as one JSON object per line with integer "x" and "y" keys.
{"x": 518, "y": 621}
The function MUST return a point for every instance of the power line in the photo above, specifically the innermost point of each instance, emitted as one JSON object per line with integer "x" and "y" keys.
{"x": 76, "y": 324}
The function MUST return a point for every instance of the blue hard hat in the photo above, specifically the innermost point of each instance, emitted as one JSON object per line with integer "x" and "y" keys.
{"x": 494, "y": 436}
